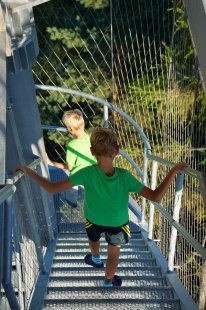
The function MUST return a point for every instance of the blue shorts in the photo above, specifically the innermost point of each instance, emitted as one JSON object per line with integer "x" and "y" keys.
{"x": 113, "y": 235}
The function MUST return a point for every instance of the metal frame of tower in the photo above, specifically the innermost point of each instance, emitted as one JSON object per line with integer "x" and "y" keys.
{"x": 196, "y": 18}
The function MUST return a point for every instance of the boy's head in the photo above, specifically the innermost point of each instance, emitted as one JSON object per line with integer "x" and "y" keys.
{"x": 73, "y": 120}
{"x": 104, "y": 142}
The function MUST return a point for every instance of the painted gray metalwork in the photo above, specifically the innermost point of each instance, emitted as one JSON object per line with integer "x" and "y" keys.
{"x": 106, "y": 117}
{"x": 102, "y": 102}
{"x": 144, "y": 180}
{"x": 147, "y": 147}
{"x": 44, "y": 196}
{"x": 189, "y": 171}
{"x": 176, "y": 212}
{"x": 2, "y": 95}
{"x": 151, "y": 209}
{"x": 182, "y": 231}
{"x": 6, "y": 191}
{"x": 134, "y": 165}
{"x": 196, "y": 26}
{"x": 26, "y": 189}
{"x": 7, "y": 284}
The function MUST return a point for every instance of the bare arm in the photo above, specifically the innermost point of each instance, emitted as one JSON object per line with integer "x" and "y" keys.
{"x": 58, "y": 165}
{"x": 51, "y": 187}
{"x": 157, "y": 194}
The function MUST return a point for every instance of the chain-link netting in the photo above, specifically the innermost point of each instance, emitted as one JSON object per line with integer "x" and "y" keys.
{"x": 28, "y": 224}
{"x": 137, "y": 55}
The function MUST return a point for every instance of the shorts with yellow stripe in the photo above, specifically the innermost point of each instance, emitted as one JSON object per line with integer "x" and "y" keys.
{"x": 113, "y": 235}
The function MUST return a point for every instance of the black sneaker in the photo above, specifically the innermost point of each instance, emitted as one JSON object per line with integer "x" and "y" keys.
{"x": 88, "y": 260}
{"x": 117, "y": 281}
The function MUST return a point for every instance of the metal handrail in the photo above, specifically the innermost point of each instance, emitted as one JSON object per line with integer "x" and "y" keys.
{"x": 189, "y": 171}
{"x": 121, "y": 152}
{"x": 19, "y": 174}
{"x": 196, "y": 245}
{"x": 103, "y": 103}
{"x": 58, "y": 128}
{"x": 174, "y": 220}
{"x": 13, "y": 180}
{"x": 6, "y": 191}
{"x": 148, "y": 155}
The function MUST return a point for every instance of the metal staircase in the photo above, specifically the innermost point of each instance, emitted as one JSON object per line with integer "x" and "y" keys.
{"x": 71, "y": 284}
{"x": 28, "y": 223}
{"x": 74, "y": 285}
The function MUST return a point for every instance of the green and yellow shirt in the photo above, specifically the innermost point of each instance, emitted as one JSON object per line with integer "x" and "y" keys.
{"x": 106, "y": 197}
{"x": 78, "y": 154}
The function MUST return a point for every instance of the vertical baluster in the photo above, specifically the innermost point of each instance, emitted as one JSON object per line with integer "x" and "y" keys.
{"x": 176, "y": 212}
{"x": 151, "y": 210}
{"x": 145, "y": 164}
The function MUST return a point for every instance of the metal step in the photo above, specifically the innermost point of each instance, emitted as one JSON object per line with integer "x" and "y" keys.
{"x": 81, "y": 236}
{"x": 114, "y": 304}
{"x": 84, "y": 241}
{"x": 71, "y": 239}
{"x": 123, "y": 254}
{"x": 122, "y": 271}
{"x": 74, "y": 248}
{"x": 141, "y": 262}
{"x": 114, "y": 293}
{"x": 76, "y": 286}
{"x": 74, "y": 227}
{"x": 95, "y": 281}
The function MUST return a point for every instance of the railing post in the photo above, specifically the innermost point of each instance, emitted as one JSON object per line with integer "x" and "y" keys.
{"x": 8, "y": 287}
{"x": 106, "y": 117}
{"x": 17, "y": 250}
{"x": 145, "y": 183}
{"x": 151, "y": 210}
{"x": 176, "y": 212}
{"x": 5, "y": 192}
{"x": 1, "y": 242}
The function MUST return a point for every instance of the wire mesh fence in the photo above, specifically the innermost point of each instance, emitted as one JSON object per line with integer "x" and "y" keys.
{"x": 24, "y": 250}
{"x": 137, "y": 55}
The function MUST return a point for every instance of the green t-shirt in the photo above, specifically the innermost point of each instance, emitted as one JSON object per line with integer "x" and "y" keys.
{"x": 78, "y": 154}
{"x": 106, "y": 197}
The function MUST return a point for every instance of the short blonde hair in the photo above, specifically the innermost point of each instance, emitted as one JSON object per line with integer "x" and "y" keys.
{"x": 73, "y": 119}
{"x": 103, "y": 141}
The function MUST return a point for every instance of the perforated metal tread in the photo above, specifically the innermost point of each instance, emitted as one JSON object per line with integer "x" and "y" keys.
{"x": 83, "y": 236}
{"x": 115, "y": 293}
{"x": 131, "y": 262}
{"x": 122, "y": 271}
{"x": 74, "y": 285}
{"x": 76, "y": 226}
{"x": 83, "y": 241}
{"x": 81, "y": 254}
{"x": 78, "y": 248}
{"x": 72, "y": 247}
{"x": 95, "y": 281}
{"x": 112, "y": 304}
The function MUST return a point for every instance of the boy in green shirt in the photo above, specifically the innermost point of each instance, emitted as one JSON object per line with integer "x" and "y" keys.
{"x": 78, "y": 154}
{"x": 107, "y": 191}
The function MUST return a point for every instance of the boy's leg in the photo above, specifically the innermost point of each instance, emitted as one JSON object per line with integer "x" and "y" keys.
{"x": 94, "y": 247}
{"x": 115, "y": 236}
{"x": 112, "y": 261}
{"x": 94, "y": 234}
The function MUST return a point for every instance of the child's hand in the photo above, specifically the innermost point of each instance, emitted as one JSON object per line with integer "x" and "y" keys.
{"x": 21, "y": 167}
{"x": 49, "y": 162}
{"x": 180, "y": 166}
